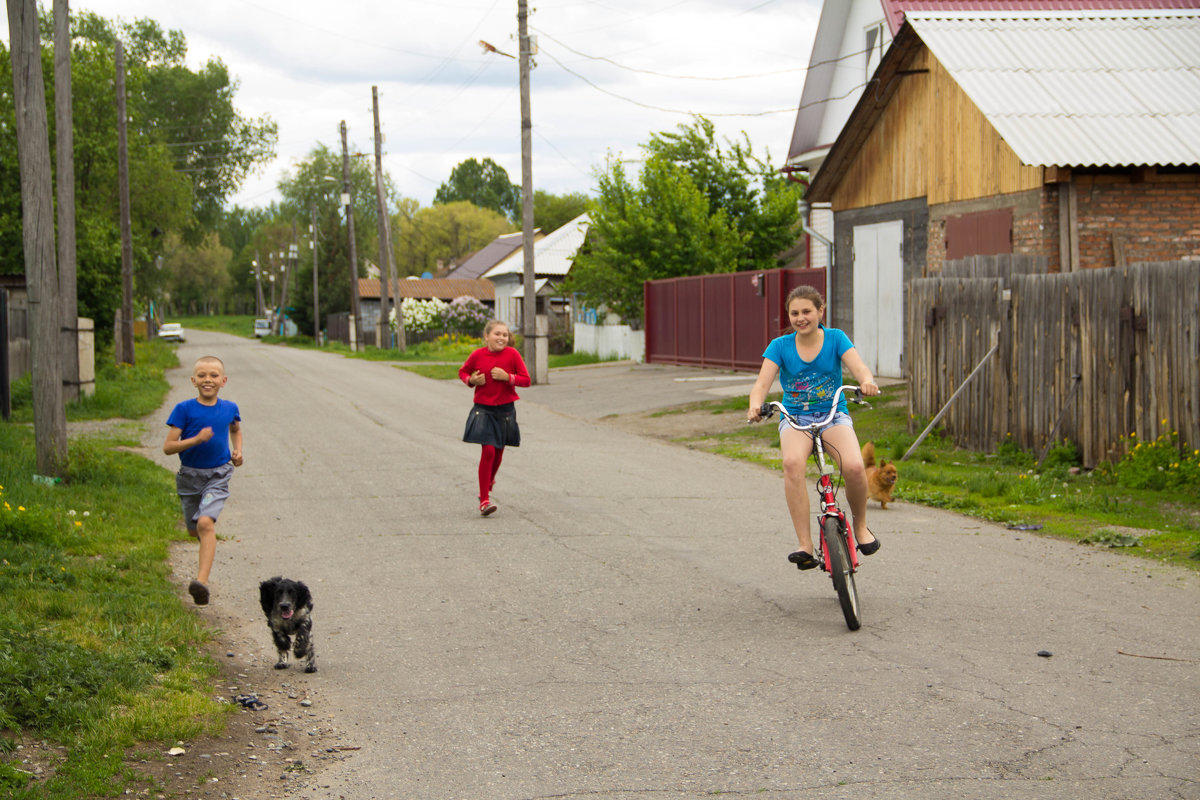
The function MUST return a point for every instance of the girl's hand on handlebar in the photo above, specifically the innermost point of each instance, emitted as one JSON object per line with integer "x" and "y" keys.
{"x": 754, "y": 414}
{"x": 870, "y": 388}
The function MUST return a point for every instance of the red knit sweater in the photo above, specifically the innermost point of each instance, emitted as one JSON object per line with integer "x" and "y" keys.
{"x": 494, "y": 392}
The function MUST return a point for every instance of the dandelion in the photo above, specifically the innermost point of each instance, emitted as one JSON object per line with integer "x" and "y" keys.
{"x": 87, "y": 514}
{"x": 19, "y": 508}
{"x": 71, "y": 513}
{"x": 78, "y": 524}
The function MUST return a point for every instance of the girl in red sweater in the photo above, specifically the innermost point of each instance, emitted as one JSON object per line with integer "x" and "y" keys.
{"x": 495, "y": 371}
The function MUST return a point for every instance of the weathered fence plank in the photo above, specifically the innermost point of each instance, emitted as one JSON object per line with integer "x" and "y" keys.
{"x": 1128, "y": 336}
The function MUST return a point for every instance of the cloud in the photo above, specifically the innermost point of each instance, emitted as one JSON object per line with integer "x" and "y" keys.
{"x": 443, "y": 99}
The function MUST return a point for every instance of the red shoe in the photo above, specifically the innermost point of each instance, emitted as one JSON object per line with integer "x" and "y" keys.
{"x": 486, "y": 507}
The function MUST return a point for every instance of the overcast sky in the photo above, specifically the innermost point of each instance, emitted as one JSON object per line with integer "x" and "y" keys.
{"x": 608, "y": 74}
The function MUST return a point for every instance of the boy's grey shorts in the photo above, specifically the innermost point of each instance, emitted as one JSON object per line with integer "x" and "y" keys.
{"x": 202, "y": 492}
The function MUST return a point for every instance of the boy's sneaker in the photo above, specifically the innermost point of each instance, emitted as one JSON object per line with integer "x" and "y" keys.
{"x": 199, "y": 593}
{"x": 486, "y": 507}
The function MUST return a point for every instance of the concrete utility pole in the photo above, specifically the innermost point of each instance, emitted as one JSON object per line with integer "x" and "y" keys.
{"x": 386, "y": 270}
{"x": 126, "y": 332}
{"x": 348, "y": 202}
{"x": 260, "y": 303}
{"x": 289, "y": 262}
{"x": 37, "y": 219}
{"x": 64, "y": 145}
{"x": 529, "y": 308}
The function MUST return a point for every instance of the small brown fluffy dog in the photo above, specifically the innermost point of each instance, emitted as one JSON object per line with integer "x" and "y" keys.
{"x": 880, "y": 479}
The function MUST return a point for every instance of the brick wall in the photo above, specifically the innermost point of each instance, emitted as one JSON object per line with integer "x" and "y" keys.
{"x": 1155, "y": 218}
{"x": 1158, "y": 219}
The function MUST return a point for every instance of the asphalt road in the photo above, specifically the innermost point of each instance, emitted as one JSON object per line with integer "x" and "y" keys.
{"x": 626, "y": 625}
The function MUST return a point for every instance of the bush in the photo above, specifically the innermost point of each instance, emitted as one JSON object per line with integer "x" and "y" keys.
{"x": 422, "y": 315}
{"x": 465, "y": 315}
{"x": 1158, "y": 464}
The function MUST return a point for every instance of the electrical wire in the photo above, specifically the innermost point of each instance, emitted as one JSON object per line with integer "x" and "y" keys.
{"x": 597, "y": 87}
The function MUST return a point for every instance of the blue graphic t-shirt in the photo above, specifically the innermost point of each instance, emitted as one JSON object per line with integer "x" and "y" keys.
{"x": 808, "y": 386}
{"x": 191, "y": 417}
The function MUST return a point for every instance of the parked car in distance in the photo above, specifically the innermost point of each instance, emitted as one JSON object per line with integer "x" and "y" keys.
{"x": 171, "y": 332}
{"x": 262, "y": 327}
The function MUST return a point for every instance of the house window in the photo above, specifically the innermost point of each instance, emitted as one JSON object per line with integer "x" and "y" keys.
{"x": 874, "y": 49}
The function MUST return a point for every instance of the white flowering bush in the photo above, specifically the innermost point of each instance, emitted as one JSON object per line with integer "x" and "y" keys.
{"x": 465, "y": 315}
{"x": 423, "y": 315}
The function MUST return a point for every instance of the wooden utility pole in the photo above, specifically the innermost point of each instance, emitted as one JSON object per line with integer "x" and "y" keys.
{"x": 126, "y": 332}
{"x": 37, "y": 219}
{"x": 316, "y": 301}
{"x": 348, "y": 202}
{"x": 387, "y": 267}
{"x": 529, "y": 307}
{"x": 64, "y": 145}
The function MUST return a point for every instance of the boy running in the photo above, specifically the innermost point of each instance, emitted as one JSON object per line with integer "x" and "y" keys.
{"x": 201, "y": 431}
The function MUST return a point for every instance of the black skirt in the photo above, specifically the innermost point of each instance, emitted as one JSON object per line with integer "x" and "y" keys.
{"x": 494, "y": 425}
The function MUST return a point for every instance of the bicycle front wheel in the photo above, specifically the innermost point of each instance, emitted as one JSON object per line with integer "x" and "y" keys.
{"x": 840, "y": 571}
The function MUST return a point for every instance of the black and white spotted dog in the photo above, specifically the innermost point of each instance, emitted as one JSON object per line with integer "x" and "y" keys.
{"x": 288, "y": 606}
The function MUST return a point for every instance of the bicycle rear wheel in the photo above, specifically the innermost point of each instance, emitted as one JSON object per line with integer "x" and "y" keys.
{"x": 843, "y": 576}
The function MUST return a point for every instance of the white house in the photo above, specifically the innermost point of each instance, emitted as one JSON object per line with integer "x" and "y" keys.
{"x": 552, "y": 259}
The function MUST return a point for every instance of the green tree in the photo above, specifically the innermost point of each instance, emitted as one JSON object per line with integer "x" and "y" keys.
{"x": 485, "y": 184}
{"x": 552, "y": 211}
{"x": 660, "y": 228}
{"x": 699, "y": 207}
{"x": 196, "y": 275}
{"x": 171, "y": 123}
{"x": 430, "y": 239}
{"x": 759, "y": 202}
{"x": 236, "y": 229}
{"x": 190, "y": 112}
{"x": 308, "y": 185}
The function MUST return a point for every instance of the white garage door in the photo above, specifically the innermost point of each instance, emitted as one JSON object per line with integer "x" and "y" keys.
{"x": 879, "y": 296}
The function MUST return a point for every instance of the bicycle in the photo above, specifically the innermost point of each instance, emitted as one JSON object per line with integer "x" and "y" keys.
{"x": 837, "y": 551}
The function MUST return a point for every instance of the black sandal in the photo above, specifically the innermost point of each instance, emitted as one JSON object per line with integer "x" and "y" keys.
{"x": 802, "y": 560}
{"x": 871, "y": 547}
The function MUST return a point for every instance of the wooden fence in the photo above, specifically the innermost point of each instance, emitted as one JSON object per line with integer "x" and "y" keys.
{"x": 1090, "y": 356}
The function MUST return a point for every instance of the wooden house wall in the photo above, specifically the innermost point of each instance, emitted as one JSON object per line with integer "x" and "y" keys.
{"x": 931, "y": 141}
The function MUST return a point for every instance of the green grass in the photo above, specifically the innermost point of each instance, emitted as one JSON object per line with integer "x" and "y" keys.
{"x": 121, "y": 390}
{"x": 234, "y": 324}
{"x": 1097, "y": 507}
{"x": 97, "y": 653}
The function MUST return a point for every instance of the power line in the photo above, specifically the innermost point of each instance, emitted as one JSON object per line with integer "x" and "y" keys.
{"x": 619, "y": 65}
{"x": 666, "y": 75}
{"x": 788, "y": 110}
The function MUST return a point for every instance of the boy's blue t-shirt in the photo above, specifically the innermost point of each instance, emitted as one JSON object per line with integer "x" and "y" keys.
{"x": 192, "y": 416}
{"x": 808, "y": 386}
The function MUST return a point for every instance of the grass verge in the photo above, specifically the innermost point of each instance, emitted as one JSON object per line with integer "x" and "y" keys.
{"x": 1113, "y": 506}
{"x": 97, "y": 653}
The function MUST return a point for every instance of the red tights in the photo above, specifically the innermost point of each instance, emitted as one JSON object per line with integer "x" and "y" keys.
{"x": 489, "y": 465}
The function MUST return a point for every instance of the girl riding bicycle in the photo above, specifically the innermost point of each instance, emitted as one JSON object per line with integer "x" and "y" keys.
{"x": 809, "y": 365}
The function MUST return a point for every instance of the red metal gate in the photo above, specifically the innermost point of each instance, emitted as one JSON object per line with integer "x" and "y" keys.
{"x": 723, "y": 320}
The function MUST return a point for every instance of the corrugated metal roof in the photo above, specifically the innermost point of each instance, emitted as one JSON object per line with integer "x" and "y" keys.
{"x": 1084, "y": 88}
{"x": 895, "y": 10}
{"x": 552, "y": 255}
{"x": 497, "y": 250}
